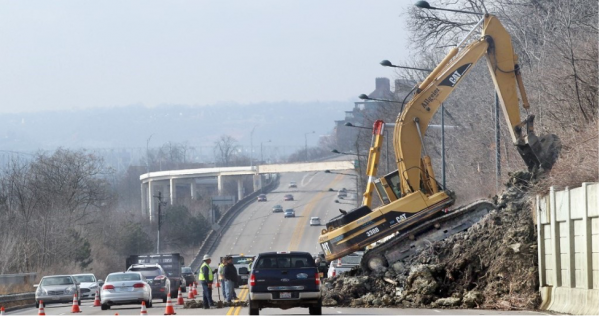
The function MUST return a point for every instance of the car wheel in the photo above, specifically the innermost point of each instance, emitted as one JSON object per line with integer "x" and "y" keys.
{"x": 104, "y": 307}
{"x": 149, "y": 303}
{"x": 37, "y": 304}
{"x": 164, "y": 299}
{"x": 79, "y": 302}
{"x": 315, "y": 310}
{"x": 252, "y": 308}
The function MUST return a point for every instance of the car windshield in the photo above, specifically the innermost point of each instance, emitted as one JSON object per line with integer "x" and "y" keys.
{"x": 285, "y": 261}
{"x": 289, "y": 211}
{"x": 277, "y": 206}
{"x": 241, "y": 260}
{"x": 64, "y": 280}
{"x": 123, "y": 277}
{"x": 85, "y": 278}
{"x": 149, "y": 272}
{"x": 186, "y": 270}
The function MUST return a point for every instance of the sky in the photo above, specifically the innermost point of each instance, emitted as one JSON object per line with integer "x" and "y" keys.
{"x": 68, "y": 55}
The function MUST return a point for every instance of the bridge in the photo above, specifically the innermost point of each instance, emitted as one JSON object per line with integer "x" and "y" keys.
{"x": 168, "y": 181}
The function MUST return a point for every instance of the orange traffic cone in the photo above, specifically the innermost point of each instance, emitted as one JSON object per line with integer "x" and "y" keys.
{"x": 190, "y": 291}
{"x": 143, "y": 311}
{"x": 195, "y": 291}
{"x": 180, "y": 298}
{"x": 2, "y": 311}
{"x": 97, "y": 300}
{"x": 75, "y": 308}
{"x": 41, "y": 310}
{"x": 169, "y": 310}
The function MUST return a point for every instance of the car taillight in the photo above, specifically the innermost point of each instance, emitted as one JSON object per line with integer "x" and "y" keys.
{"x": 339, "y": 263}
{"x": 317, "y": 279}
{"x": 138, "y": 285}
{"x": 108, "y": 287}
{"x": 160, "y": 277}
{"x": 333, "y": 274}
{"x": 252, "y": 280}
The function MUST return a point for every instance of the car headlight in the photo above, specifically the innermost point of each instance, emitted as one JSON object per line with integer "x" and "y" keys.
{"x": 70, "y": 290}
{"x": 41, "y": 291}
{"x": 94, "y": 286}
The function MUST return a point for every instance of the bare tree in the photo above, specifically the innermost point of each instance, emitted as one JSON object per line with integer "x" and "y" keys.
{"x": 225, "y": 150}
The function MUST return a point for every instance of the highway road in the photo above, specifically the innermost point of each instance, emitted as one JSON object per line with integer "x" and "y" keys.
{"x": 159, "y": 309}
{"x": 257, "y": 229}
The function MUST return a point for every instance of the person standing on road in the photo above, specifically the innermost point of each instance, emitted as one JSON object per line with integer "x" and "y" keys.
{"x": 206, "y": 280}
{"x": 231, "y": 277}
{"x": 221, "y": 270}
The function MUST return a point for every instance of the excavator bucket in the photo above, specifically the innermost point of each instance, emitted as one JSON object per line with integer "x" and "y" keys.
{"x": 540, "y": 151}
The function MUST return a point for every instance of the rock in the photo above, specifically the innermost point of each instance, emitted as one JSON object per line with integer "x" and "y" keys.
{"x": 516, "y": 247}
{"x": 447, "y": 302}
{"x": 376, "y": 302}
{"x": 386, "y": 300}
{"x": 421, "y": 281}
{"x": 328, "y": 301}
{"x": 390, "y": 273}
{"x": 472, "y": 299}
{"x": 398, "y": 267}
{"x": 356, "y": 280}
{"x": 193, "y": 304}
{"x": 356, "y": 302}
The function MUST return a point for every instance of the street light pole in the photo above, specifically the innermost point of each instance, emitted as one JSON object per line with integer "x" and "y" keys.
{"x": 160, "y": 203}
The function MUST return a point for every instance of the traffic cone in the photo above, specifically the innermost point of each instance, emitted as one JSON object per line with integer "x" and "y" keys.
{"x": 143, "y": 311}
{"x": 169, "y": 310}
{"x": 75, "y": 308}
{"x": 2, "y": 311}
{"x": 190, "y": 292}
{"x": 195, "y": 290}
{"x": 41, "y": 310}
{"x": 97, "y": 300}
{"x": 180, "y": 298}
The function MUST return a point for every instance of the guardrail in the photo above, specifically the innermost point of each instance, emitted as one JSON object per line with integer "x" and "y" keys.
{"x": 17, "y": 297}
{"x": 209, "y": 241}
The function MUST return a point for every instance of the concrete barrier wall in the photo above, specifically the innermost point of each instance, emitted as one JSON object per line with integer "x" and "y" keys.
{"x": 568, "y": 249}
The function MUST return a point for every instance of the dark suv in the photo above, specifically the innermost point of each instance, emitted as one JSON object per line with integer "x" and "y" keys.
{"x": 284, "y": 280}
{"x": 157, "y": 278}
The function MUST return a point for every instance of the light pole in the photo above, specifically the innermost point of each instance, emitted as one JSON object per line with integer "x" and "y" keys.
{"x": 306, "y": 143}
{"x": 160, "y": 203}
{"x": 261, "y": 150}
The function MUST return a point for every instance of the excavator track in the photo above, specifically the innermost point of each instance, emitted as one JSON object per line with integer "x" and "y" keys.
{"x": 416, "y": 239}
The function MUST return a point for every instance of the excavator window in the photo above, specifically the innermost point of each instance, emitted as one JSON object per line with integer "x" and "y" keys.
{"x": 381, "y": 192}
{"x": 388, "y": 187}
{"x": 393, "y": 181}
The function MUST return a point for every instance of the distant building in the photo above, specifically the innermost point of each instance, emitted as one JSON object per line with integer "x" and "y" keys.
{"x": 365, "y": 112}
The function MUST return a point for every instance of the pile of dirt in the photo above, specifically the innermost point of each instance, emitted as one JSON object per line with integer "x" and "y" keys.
{"x": 492, "y": 265}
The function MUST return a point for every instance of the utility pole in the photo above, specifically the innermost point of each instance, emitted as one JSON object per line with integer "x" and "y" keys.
{"x": 160, "y": 203}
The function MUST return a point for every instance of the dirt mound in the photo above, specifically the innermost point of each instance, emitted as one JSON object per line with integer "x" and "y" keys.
{"x": 491, "y": 265}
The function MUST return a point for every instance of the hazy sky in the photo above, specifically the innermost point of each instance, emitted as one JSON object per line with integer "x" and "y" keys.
{"x": 78, "y": 54}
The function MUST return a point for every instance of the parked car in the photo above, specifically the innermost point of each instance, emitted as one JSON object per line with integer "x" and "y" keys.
{"x": 277, "y": 209}
{"x": 289, "y": 213}
{"x": 292, "y": 184}
{"x": 288, "y": 197}
{"x": 171, "y": 264}
{"x": 125, "y": 288}
{"x": 156, "y": 277}
{"x": 344, "y": 264}
{"x": 342, "y": 193}
{"x": 56, "y": 289}
{"x": 88, "y": 285}
{"x": 284, "y": 280}
{"x": 189, "y": 276}
{"x": 315, "y": 221}
{"x": 262, "y": 198}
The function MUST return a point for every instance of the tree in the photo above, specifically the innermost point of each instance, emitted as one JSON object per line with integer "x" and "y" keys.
{"x": 225, "y": 150}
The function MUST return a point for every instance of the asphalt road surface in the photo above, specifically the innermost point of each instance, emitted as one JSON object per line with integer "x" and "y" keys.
{"x": 159, "y": 309}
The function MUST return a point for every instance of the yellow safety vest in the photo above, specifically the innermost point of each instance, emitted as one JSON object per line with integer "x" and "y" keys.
{"x": 210, "y": 273}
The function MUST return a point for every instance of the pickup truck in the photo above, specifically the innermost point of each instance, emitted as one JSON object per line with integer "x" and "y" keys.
{"x": 284, "y": 280}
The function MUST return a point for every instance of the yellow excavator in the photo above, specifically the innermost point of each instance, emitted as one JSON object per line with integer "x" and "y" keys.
{"x": 415, "y": 208}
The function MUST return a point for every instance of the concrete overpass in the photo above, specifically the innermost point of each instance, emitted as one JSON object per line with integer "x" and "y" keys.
{"x": 167, "y": 181}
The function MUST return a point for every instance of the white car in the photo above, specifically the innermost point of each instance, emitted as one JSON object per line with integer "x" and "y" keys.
{"x": 315, "y": 221}
{"x": 292, "y": 184}
{"x": 344, "y": 264}
{"x": 125, "y": 288}
{"x": 88, "y": 285}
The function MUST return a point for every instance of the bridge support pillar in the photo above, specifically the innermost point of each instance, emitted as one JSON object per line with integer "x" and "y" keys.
{"x": 150, "y": 204}
{"x": 172, "y": 190}
{"x": 220, "y": 184}
{"x": 240, "y": 188}
{"x": 193, "y": 189}
{"x": 257, "y": 180}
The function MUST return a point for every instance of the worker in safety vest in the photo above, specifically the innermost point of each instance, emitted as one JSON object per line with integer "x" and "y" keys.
{"x": 206, "y": 279}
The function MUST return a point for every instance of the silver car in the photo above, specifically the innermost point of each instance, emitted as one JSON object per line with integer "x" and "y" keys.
{"x": 315, "y": 221}
{"x": 88, "y": 285}
{"x": 56, "y": 289}
{"x": 125, "y": 288}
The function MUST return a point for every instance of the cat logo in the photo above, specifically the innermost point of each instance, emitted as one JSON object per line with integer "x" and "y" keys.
{"x": 455, "y": 76}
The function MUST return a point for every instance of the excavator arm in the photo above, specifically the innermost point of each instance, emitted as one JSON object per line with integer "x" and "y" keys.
{"x": 412, "y": 123}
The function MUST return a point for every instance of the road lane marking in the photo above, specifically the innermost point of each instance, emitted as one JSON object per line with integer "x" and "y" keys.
{"x": 237, "y": 310}
{"x": 300, "y": 227}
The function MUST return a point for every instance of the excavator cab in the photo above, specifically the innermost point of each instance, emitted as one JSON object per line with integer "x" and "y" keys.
{"x": 388, "y": 187}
